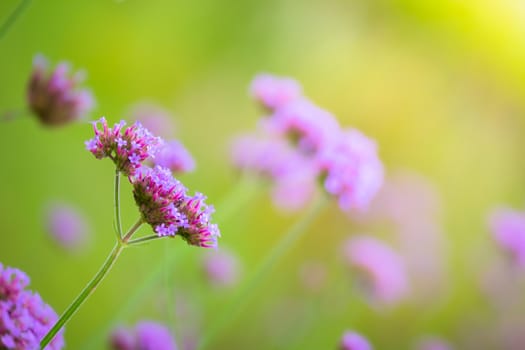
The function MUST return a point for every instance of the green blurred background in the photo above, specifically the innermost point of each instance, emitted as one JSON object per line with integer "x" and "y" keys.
{"x": 439, "y": 84}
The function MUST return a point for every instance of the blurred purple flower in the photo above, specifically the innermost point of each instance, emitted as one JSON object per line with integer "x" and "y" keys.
{"x": 175, "y": 157}
{"x": 67, "y": 226}
{"x": 24, "y": 317}
{"x": 56, "y": 98}
{"x": 354, "y": 341}
{"x": 379, "y": 268}
{"x": 164, "y": 204}
{"x": 147, "y": 335}
{"x": 352, "y": 170}
{"x": 154, "y": 118}
{"x": 508, "y": 229}
{"x": 273, "y": 92}
{"x": 433, "y": 343}
{"x": 221, "y": 268}
{"x": 307, "y": 126}
{"x": 126, "y": 148}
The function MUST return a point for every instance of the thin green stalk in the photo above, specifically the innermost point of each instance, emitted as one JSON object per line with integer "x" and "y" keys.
{"x": 22, "y": 5}
{"x": 81, "y": 298}
{"x": 143, "y": 240}
{"x": 132, "y": 230}
{"x": 245, "y": 190}
{"x": 279, "y": 250}
{"x": 118, "y": 223}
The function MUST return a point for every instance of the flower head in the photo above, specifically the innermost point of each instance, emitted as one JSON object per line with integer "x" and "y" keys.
{"x": 56, "y": 98}
{"x": 354, "y": 341}
{"x": 128, "y": 147}
{"x": 508, "y": 229}
{"x": 379, "y": 268}
{"x": 221, "y": 268}
{"x": 274, "y": 92}
{"x": 66, "y": 226}
{"x": 306, "y": 125}
{"x": 175, "y": 157}
{"x": 147, "y": 335}
{"x": 352, "y": 169}
{"x": 165, "y": 205}
{"x": 24, "y": 317}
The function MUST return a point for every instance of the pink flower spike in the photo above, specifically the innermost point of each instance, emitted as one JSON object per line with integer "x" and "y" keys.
{"x": 354, "y": 341}
{"x": 56, "y": 97}
{"x": 273, "y": 92}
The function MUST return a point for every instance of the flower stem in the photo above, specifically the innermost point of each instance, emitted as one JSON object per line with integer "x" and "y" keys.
{"x": 280, "y": 249}
{"x": 22, "y": 5}
{"x": 132, "y": 231}
{"x": 86, "y": 292}
{"x": 117, "y": 206}
{"x": 143, "y": 240}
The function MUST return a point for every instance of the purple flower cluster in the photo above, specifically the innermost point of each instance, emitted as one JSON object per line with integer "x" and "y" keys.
{"x": 162, "y": 200}
{"x": 56, "y": 97}
{"x": 165, "y": 205}
{"x": 24, "y": 317}
{"x": 127, "y": 148}
{"x": 221, "y": 268}
{"x": 66, "y": 226}
{"x": 354, "y": 341}
{"x": 379, "y": 268}
{"x": 175, "y": 157}
{"x": 147, "y": 335}
{"x": 300, "y": 144}
{"x": 508, "y": 229}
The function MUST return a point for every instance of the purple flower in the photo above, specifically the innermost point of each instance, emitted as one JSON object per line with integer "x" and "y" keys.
{"x": 433, "y": 343}
{"x": 379, "y": 269}
{"x": 164, "y": 204}
{"x": 175, "y": 157}
{"x": 508, "y": 229}
{"x": 352, "y": 169}
{"x": 154, "y": 118}
{"x": 306, "y": 125}
{"x": 56, "y": 98}
{"x": 354, "y": 341}
{"x": 24, "y": 317}
{"x": 274, "y": 92}
{"x": 66, "y": 226}
{"x": 126, "y": 148}
{"x": 221, "y": 268}
{"x": 147, "y": 335}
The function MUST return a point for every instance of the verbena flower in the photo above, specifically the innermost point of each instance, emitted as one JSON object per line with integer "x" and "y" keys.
{"x": 508, "y": 229}
{"x": 66, "y": 226}
{"x": 354, "y": 341}
{"x": 147, "y": 335}
{"x": 433, "y": 343}
{"x": 126, "y": 147}
{"x": 221, "y": 268}
{"x": 351, "y": 169}
{"x": 309, "y": 127}
{"x": 165, "y": 205}
{"x": 273, "y": 92}
{"x": 24, "y": 317}
{"x": 174, "y": 156}
{"x": 56, "y": 97}
{"x": 154, "y": 118}
{"x": 379, "y": 269}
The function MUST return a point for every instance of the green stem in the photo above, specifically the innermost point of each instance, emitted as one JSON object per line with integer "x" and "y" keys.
{"x": 143, "y": 240}
{"x": 86, "y": 292}
{"x": 117, "y": 206}
{"x": 22, "y": 5}
{"x": 132, "y": 230}
{"x": 280, "y": 249}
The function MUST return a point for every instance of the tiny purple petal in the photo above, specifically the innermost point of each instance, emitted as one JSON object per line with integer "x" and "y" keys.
{"x": 354, "y": 341}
